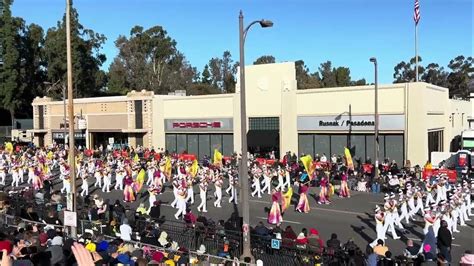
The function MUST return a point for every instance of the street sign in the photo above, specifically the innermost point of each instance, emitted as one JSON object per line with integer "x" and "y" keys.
{"x": 276, "y": 243}
{"x": 70, "y": 218}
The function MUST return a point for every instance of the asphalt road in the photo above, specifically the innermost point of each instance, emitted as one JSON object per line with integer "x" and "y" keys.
{"x": 348, "y": 218}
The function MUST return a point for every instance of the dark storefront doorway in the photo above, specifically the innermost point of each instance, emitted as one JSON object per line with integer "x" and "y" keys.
{"x": 263, "y": 136}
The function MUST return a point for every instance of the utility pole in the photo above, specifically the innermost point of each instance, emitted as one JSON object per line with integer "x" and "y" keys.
{"x": 71, "y": 160}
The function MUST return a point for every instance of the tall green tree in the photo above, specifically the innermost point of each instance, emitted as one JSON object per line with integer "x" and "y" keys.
{"x": 144, "y": 60}
{"x": 265, "y": 59}
{"x": 10, "y": 79}
{"x": 405, "y": 71}
{"x": 343, "y": 76}
{"x": 462, "y": 74}
{"x": 328, "y": 75}
{"x": 436, "y": 75}
{"x": 305, "y": 79}
{"x": 223, "y": 71}
{"x": 88, "y": 78}
{"x": 206, "y": 75}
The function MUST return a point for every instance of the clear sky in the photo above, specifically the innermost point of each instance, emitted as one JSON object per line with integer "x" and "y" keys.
{"x": 347, "y": 32}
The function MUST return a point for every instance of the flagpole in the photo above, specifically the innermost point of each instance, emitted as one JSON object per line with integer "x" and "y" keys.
{"x": 416, "y": 52}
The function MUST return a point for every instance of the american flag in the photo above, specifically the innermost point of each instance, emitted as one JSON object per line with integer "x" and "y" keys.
{"x": 416, "y": 14}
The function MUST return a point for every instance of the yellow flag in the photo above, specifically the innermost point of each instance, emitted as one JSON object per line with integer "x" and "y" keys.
{"x": 308, "y": 164}
{"x": 136, "y": 159}
{"x": 49, "y": 155}
{"x": 194, "y": 168}
{"x": 349, "y": 162}
{"x": 9, "y": 147}
{"x": 168, "y": 167}
{"x": 217, "y": 157}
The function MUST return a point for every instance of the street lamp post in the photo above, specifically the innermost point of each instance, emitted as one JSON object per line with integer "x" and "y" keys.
{"x": 243, "y": 173}
{"x": 376, "y": 118}
{"x": 71, "y": 157}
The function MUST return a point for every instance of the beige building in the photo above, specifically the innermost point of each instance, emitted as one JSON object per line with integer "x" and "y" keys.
{"x": 414, "y": 119}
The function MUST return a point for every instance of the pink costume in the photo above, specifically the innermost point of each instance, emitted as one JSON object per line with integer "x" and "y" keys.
{"x": 303, "y": 204}
{"x": 323, "y": 194}
{"x": 128, "y": 193}
{"x": 274, "y": 217}
{"x": 344, "y": 187}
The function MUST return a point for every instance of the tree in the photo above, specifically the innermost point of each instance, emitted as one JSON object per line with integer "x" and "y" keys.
{"x": 145, "y": 57}
{"x": 462, "y": 74}
{"x": 343, "y": 76}
{"x": 88, "y": 79}
{"x": 33, "y": 67}
{"x": 223, "y": 72}
{"x": 436, "y": 75}
{"x": 265, "y": 59}
{"x": 206, "y": 75}
{"x": 10, "y": 86}
{"x": 304, "y": 79}
{"x": 359, "y": 82}
{"x": 328, "y": 75}
{"x": 405, "y": 71}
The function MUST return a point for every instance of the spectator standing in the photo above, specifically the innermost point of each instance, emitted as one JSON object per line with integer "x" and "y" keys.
{"x": 444, "y": 241}
{"x": 125, "y": 231}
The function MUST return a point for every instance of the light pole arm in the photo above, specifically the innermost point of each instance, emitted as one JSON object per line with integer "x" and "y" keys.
{"x": 247, "y": 30}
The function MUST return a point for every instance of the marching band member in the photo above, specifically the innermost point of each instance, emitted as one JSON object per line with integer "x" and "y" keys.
{"x": 64, "y": 176}
{"x": 403, "y": 208}
{"x": 107, "y": 174}
{"x": 233, "y": 183}
{"x": 429, "y": 193}
{"x": 150, "y": 172}
{"x": 430, "y": 218}
{"x": 119, "y": 176}
{"x": 256, "y": 173}
{"x": 190, "y": 192}
{"x": 98, "y": 177}
{"x": 218, "y": 193}
{"x": 287, "y": 177}
{"x": 175, "y": 185}
{"x": 389, "y": 219}
{"x": 280, "y": 173}
{"x": 15, "y": 173}
{"x": 203, "y": 193}
{"x": 84, "y": 186}
{"x": 267, "y": 180}
{"x": 3, "y": 174}
{"x": 379, "y": 225}
{"x": 153, "y": 191}
{"x": 31, "y": 173}
{"x": 181, "y": 202}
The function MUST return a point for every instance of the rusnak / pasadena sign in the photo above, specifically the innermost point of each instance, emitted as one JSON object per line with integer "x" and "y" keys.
{"x": 355, "y": 123}
{"x": 203, "y": 125}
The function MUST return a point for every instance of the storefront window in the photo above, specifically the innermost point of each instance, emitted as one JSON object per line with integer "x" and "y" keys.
{"x": 358, "y": 144}
{"x": 338, "y": 142}
{"x": 181, "y": 143}
{"x": 322, "y": 144}
{"x": 394, "y": 148}
{"x": 200, "y": 144}
{"x": 227, "y": 144}
{"x": 171, "y": 143}
{"x": 204, "y": 146}
{"x": 193, "y": 144}
{"x": 216, "y": 143}
{"x": 390, "y": 145}
{"x": 306, "y": 144}
{"x": 435, "y": 141}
